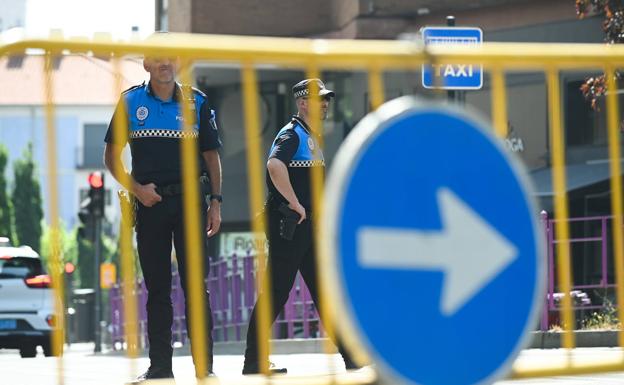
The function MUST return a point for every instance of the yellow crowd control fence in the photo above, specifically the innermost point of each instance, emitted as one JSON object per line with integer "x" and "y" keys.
{"x": 314, "y": 56}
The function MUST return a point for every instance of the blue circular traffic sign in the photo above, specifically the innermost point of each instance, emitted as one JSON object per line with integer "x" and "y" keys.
{"x": 435, "y": 246}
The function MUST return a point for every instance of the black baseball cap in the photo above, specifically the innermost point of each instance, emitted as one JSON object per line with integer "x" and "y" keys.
{"x": 302, "y": 88}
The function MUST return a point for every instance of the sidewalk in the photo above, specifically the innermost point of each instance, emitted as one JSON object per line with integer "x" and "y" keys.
{"x": 540, "y": 340}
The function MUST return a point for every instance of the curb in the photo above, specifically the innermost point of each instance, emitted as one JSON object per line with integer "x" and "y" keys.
{"x": 285, "y": 346}
{"x": 583, "y": 339}
{"x": 539, "y": 340}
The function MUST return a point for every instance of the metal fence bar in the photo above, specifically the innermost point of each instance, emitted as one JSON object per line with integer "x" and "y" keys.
{"x": 499, "y": 102}
{"x": 375, "y": 87}
{"x": 603, "y": 252}
{"x": 561, "y": 202}
{"x": 258, "y": 225}
{"x": 616, "y": 189}
{"x": 545, "y": 228}
{"x": 54, "y": 262}
{"x": 128, "y": 310}
{"x": 395, "y": 55}
{"x": 551, "y": 264}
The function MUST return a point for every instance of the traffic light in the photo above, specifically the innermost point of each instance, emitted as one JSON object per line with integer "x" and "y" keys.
{"x": 96, "y": 193}
{"x": 92, "y": 208}
{"x": 86, "y": 229}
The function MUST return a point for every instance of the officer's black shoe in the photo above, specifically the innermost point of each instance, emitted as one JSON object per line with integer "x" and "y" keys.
{"x": 152, "y": 374}
{"x": 254, "y": 368}
{"x": 350, "y": 365}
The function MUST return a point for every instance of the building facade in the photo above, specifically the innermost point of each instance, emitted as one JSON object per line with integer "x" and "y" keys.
{"x": 84, "y": 102}
{"x": 553, "y": 21}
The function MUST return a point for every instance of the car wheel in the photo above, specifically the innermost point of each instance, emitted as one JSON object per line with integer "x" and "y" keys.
{"x": 47, "y": 350}
{"x": 28, "y": 351}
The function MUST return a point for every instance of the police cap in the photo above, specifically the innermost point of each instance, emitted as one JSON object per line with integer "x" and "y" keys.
{"x": 302, "y": 88}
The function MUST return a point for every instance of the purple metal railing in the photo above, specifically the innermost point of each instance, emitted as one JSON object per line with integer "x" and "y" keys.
{"x": 580, "y": 299}
{"x": 233, "y": 293}
{"x": 232, "y": 286}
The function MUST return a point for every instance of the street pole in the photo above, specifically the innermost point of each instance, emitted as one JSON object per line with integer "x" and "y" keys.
{"x": 450, "y": 22}
{"x": 98, "y": 252}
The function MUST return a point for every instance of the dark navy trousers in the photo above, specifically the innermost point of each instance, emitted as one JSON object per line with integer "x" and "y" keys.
{"x": 156, "y": 228}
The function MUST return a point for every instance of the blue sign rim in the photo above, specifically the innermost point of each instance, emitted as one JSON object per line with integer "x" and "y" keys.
{"x": 422, "y": 70}
{"x": 340, "y": 175}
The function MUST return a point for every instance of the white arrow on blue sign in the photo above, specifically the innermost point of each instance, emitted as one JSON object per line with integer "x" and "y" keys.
{"x": 435, "y": 250}
{"x": 452, "y": 76}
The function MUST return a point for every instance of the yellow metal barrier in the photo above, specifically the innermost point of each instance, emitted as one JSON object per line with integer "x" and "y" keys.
{"x": 313, "y": 56}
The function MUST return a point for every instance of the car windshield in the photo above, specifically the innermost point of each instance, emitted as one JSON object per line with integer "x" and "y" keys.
{"x": 20, "y": 267}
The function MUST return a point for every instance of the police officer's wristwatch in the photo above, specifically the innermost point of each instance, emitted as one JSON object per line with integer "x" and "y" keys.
{"x": 216, "y": 197}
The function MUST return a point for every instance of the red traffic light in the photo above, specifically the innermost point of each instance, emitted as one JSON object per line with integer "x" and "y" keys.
{"x": 96, "y": 180}
{"x": 69, "y": 267}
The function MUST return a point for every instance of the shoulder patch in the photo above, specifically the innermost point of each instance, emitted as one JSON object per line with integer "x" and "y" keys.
{"x": 134, "y": 87}
{"x": 289, "y": 126}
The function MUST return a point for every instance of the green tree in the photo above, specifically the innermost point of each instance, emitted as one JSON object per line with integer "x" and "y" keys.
{"x": 85, "y": 265}
{"x": 6, "y": 207}
{"x": 613, "y": 27}
{"x": 27, "y": 202}
{"x": 85, "y": 258}
{"x": 69, "y": 248}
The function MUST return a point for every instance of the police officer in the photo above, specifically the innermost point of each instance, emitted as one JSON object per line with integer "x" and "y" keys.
{"x": 295, "y": 151}
{"x": 155, "y": 128}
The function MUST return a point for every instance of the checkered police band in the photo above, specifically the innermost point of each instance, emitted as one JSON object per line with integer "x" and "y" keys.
{"x": 163, "y": 134}
{"x": 302, "y": 93}
{"x": 306, "y": 163}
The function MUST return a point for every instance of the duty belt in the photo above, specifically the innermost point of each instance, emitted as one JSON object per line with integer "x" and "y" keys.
{"x": 176, "y": 188}
{"x": 169, "y": 190}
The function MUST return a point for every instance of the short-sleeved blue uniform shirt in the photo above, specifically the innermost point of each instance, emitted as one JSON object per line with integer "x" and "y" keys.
{"x": 298, "y": 149}
{"x": 155, "y": 128}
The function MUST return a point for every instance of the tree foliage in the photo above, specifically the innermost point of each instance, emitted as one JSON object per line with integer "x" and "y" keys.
{"x": 27, "y": 202}
{"x": 613, "y": 27}
{"x": 6, "y": 207}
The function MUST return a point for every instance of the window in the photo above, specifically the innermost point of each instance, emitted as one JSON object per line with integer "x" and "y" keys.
{"x": 93, "y": 145}
{"x": 20, "y": 267}
{"x": 584, "y": 126}
{"x": 162, "y": 15}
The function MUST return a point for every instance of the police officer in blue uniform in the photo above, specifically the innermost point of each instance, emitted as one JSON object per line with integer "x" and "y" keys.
{"x": 295, "y": 151}
{"x": 155, "y": 128}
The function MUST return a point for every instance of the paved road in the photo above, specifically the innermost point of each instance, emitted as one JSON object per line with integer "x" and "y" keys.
{"x": 82, "y": 367}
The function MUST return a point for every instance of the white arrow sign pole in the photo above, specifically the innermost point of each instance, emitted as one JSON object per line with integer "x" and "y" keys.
{"x": 468, "y": 250}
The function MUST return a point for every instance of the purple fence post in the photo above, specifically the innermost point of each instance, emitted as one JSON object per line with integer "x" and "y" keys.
{"x": 178, "y": 309}
{"x": 304, "y": 294}
{"x": 544, "y": 220}
{"x": 213, "y": 285}
{"x": 290, "y": 313}
{"x": 236, "y": 297}
{"x": 604, "y": 281}
{"x": 114, "y": 314}
{"x": 142, "y": 314}
{"x": 249, "y": 298}
{"x": 551, "y": 264}
{"x": 223, "y": 294}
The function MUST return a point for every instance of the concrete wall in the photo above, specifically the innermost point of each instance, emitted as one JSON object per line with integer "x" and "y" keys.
{"x": 504, "y": 17}
{"x": 179, "y": 16}
{"x": 257, "y": 17}
{"x": 361, "y": 19}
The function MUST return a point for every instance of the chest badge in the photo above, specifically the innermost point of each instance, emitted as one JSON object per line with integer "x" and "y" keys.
{"x": 142, "y": 112}
{"x": 311, "y": 144}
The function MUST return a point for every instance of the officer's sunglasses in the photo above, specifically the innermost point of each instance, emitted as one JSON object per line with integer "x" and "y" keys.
{"x": 326, "y": 98}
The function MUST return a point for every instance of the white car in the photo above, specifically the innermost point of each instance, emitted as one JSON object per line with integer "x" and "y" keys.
{"x": 26, "y": 302}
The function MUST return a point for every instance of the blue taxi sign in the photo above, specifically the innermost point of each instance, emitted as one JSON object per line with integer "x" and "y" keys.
{"x": 452, "y": 76}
